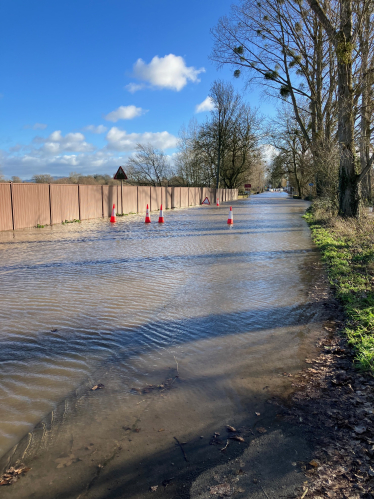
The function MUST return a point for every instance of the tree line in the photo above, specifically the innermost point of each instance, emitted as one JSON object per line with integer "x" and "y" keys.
{"x": 316, "y": 57}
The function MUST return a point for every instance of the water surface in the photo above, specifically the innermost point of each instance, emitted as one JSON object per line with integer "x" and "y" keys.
{"x": 209, "y": 315}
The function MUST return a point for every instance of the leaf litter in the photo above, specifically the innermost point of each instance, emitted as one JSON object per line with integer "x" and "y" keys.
{"x": 13, "y": 474}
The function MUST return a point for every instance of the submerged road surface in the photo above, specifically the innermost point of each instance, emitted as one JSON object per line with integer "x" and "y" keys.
{"x": 189, "y": 326}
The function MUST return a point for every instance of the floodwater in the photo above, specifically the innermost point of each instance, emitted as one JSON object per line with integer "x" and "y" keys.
{"x": 188, "y": 325}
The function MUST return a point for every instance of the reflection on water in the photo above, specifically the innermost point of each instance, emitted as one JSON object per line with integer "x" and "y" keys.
{"x": 126, "y": 305}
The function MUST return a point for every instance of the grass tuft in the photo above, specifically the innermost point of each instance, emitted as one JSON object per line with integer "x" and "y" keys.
{"x": 347, "y": 248}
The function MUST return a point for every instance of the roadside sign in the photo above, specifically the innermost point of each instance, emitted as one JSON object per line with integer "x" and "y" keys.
{"x": 247, "y": 186}
{"x": 206, "y": 201}
{"x": 311, "y": 184}
{"x": 120, "y": 175}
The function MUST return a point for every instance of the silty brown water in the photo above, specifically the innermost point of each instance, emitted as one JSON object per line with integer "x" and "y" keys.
{"x": 208, "y": 315}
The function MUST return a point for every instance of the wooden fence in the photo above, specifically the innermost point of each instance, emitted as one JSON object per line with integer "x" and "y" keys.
{"x": 29, "y": 205}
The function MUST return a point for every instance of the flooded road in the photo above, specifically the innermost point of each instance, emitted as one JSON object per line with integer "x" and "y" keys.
{"x": 188, "y": 325}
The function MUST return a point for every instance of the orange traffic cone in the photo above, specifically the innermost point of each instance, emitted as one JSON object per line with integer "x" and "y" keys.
{"x": 230, "y": 220}
{"x": 113, "y": 217}
{"x": 161, "y": 217}
{"x": 217, "y": 202}
{"x": 147, "y": 217}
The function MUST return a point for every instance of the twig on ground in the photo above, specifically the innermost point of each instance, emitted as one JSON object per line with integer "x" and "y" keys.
{"x": 180, "y": 445}
{"x": 262, "y": 488}
{"x": 225, "y": 447}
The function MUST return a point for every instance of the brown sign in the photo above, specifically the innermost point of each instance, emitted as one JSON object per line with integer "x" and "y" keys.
{"x": 247, "y": 186}
{"x": 120, "y": 175}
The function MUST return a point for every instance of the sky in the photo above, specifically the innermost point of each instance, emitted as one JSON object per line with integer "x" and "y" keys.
{"x": 83, "y": 81}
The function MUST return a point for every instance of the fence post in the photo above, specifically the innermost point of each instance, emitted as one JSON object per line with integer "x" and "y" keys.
{"x": 102, "y": 201}
{"x": 11, "y": 202}
{"x": 79, "y": 203}
{"x": 50, "y": 205}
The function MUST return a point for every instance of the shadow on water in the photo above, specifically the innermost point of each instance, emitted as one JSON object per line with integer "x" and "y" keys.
{"x": 251, "y": 256}
{"x": 142, "y": 338}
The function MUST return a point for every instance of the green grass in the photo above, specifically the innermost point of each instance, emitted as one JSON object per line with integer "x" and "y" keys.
{"x": 71, "y": 221}
{"x": 347, "y": 249}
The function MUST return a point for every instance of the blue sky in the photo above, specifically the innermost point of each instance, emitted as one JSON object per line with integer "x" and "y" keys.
{"x": 83, "y": 81}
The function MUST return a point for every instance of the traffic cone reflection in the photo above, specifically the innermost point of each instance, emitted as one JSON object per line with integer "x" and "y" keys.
{"x": 147, "y": 217}
{"x": 217, "y": 202}
{"x": 161, "y": 217}
{"x": 230, "y": 220}
{"x": 113, "y": 217}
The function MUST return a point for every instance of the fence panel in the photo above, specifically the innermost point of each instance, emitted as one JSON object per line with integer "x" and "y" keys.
{"x": 219, "y": 195}
{"x": 130, "y": 199}
{"x": 90, "y": 201}
{"x": 175, "y": 197}
{"x": 31, "y": 205}
{"x": 111, "y": 196}
{"x": 184, "y": 197}
{"x": 192, "y": 196}
{"x": 156, "y": 198}
{"x": 144, "y": 198}
{"x": 6, "y": 220}
{"x": 166, "y": 197}
{"x": 64, "y": 203}
{"x": 212, "y": 198}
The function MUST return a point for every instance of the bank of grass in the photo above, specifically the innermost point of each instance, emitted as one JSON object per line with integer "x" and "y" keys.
{"x": 347, "y": 248}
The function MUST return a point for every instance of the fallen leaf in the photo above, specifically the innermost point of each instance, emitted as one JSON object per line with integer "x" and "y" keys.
{"x": 261, "y": 430}
{"x": 154, "y": 488}
{"x": 99, "y": 386}
{"x": 12, "y": 474}
{"x": 314, "y": 463}
{"x": 230, "y": 428}
{"x": 258, "y": 413}
{"x": 236, "y": 437}
{"x": 161, "y": 429}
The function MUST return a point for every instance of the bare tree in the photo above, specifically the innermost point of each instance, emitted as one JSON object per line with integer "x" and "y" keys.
{"x": 148, "y": 165}
{"x": 42, "y": 179}
{"x": 222, "y": 150}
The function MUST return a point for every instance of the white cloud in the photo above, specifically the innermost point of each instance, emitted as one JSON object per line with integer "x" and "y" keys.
{"x": 39, "y": 126}
{"x": 206, "y": 105}
{"x": 56, "y": 143}
{"x": 120, "y": 140}
{"x": 59, "y": 154}
{"x": 134, "y": 87}
{"x": 124, "y": 113}
{"x": 36, "y": 126}
{"x": 96, "y": 129}
{"x": 169, "y": 71}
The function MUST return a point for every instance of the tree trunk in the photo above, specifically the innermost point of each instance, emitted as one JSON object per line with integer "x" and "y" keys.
{"x": 349, "y": 195}
{"x": 365, "y": 107}
{"x": 349, "y": 187}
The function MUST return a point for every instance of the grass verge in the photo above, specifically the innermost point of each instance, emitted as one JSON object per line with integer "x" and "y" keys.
{"x": 347, "y": 248}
